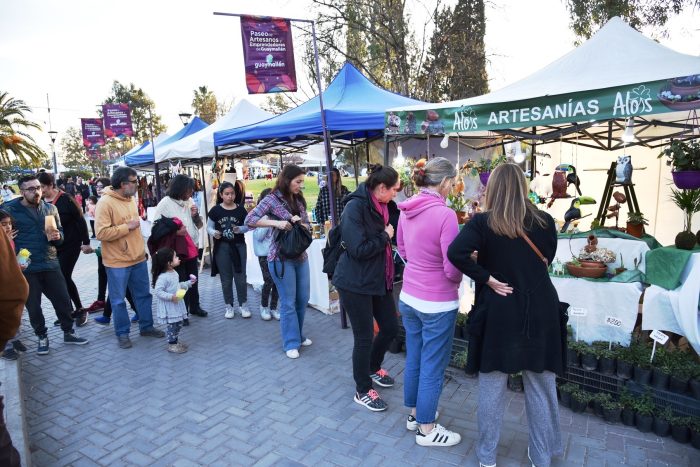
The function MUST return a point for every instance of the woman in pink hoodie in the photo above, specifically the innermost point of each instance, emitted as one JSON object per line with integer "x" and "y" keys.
{"x": 429, "y": 300}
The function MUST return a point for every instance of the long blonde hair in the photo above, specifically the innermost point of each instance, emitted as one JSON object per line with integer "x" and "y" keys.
{"x": 507, "y": 202}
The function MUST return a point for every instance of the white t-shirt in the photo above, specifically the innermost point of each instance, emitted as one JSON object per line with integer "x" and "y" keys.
{"x": 425, "y": 306}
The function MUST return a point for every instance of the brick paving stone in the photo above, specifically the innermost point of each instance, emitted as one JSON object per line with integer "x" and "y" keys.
{"x": 235, "y": 399}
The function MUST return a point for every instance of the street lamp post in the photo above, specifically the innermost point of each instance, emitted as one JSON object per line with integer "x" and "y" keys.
{"x": 185, "y": 118}
{"x": 52, "y": 135}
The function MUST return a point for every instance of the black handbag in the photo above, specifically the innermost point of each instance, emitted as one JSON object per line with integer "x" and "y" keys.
{"x": 292, "y": 243}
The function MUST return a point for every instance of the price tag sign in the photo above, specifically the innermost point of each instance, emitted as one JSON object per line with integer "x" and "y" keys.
{"x": 613, "y": 321}
{"x": 578, "y": 312}
{"x": 659, "y": 337}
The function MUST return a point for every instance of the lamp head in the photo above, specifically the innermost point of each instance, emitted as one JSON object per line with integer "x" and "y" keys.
{"x": 52, "y": 135}
{"x": 185, "y": 117}
{"x": 445, "y": 142}
{"x": 628, "y": 135}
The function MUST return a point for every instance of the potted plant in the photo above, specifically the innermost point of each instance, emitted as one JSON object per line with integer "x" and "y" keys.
{"x": 684, "y": 157}
{"x": 612, "y": 410}
{"x": 460, "y": 359}
{"x": 624, "y": 363}
{"x": 635, "y": 224}
{"x": 661, "y": 372}
{"x": 681, "y": 373}
{"x": 644, "y": 416}
{"x": 695, "y": 432}
{"x": 662, "y": 421}
{"x": 458, "y": 204}
{"x": 680, "y": 429}
{"x": 483, "y": 167}
{"x": 695, "y": 382}
{"x": 515, "y": 382}
{"x": 589, "y": 359}
{"x": 689, "y": 202}
{"x": 606, "y": 357}
{"x": 579, "y": 400}
{"x": 627, "y": 400}
{"x": 459, "y": 325}
{"x": 642, "y": 367}
{"x": 598, "y": 400}
{"x": 565, "y": 391}
{"x": 573, "y": 351}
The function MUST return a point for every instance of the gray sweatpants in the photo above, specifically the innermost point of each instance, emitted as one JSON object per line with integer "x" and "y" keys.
{"x": 542, "y": 410}
{"x": 227, "y": 274}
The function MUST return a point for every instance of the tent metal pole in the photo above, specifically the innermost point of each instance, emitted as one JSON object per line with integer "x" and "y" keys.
{"x": 153, "y": 147}
{"x": 206, "y": 210}
{"x": 533, "y": 157}
{"x": 386, "y": 152}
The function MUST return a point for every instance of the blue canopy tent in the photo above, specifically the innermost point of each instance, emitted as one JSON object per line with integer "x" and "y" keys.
{"x": 144, "y": 155}
{"x": 354, "y": 109}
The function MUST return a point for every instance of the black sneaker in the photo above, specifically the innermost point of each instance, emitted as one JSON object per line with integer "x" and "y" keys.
{"x": 72, "y": 338}
{"x": 10, "y": 354}
{"x": 152, "y": 332}
{"x": 124, "y": 341}
{"x": 18, "y": 346}
{"x": 371, "y": 400}
{"x": 81, "y": 318}
{"x": 382, "y": 378}
{"x": 201, "y": 313}
{"x": 43, "y": 347}
{"x": 185, "y": 322}
{"x": 57, "y": 322}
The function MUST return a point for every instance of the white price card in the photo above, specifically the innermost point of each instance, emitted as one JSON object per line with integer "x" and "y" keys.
{"x": 578, "y": 311}
{"x": 659, "y": 336}
{"x": 613, "y": 321}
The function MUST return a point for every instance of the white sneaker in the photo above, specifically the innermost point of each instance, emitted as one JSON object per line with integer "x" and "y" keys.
{"x": 412, "y": 424}
{"x": 265, "y": 314}
{"x": 294, "y": 353}
{"x": 229, "y": 312}
{"x": 439, "y": 436}
{"x": 307, "y": 342}
{"x": 245, "y": 312}
{"x": 275, "y": 314}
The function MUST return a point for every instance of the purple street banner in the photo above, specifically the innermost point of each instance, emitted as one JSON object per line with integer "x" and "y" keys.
{"x": 268, "y": 54}
{"x": 117, "y": 119}
{"x": 93, "y": 135}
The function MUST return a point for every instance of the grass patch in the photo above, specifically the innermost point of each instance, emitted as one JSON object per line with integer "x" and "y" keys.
{"x": 311, "y": 188}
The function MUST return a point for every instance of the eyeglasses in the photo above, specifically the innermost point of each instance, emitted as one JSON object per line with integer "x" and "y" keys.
{"x": 32, "y": 189}
{"x": 100, "y": 186}
{"x": 133, "y": 181}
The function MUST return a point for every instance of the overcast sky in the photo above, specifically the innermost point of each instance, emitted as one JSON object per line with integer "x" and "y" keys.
{"x": 74, "y": 49}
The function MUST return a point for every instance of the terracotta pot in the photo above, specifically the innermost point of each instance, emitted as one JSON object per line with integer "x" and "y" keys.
{"x": 580, "y": 271}
{"x": 636, "y": 230}
{"x": 484, "y": 177}
{"x": 686, "y": 179}
{"x": 591, "y": 264}
{"x": 684, "y": 90}
{"x": 461, "y": 217}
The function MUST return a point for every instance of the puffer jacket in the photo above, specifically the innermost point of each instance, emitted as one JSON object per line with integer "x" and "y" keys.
{"x": 361, "y": 267}
{"x": 32, "y": 235}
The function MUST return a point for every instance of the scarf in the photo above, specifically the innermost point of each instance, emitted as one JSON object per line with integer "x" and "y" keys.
{"x": 388, "y": 258}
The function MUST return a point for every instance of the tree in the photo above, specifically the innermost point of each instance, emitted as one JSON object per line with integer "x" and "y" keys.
{"x": 587, "y": 16}
{"x": 13, "y": 134}
{"x": 74, "y": 153}
{"x": 141, "y": 107}
{"x": 204, "y": 104}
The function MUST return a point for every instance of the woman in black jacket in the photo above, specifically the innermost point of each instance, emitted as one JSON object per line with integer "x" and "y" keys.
{"x": 364, "y": 277}
{"x": 516, "y": 313}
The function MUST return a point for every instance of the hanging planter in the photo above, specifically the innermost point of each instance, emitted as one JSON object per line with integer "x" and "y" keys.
{"x": 484, "y": 177}
{"x": 687, "y": 179}
{"x": 684, "y": 157}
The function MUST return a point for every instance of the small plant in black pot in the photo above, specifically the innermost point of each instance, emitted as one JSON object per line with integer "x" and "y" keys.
{"x": 682, "y": 368}
{"x": 624, "y": 363}
{"x": 460, "y": 359}
{"x": 606, "y": 358}
{"x": 642, "y": 365}
{"x": 627, "y": 400}
{"x": 662, "y": 421}
{"x": 695, "y": 432}
{"x": 695, "y": 382}
{"x": 580, "y": 400}
{"x": 565, "y": 391}
{"x": 644, "y": 417}
{"x": 598, "y": 400}
{"x": 612, "y": 410}
{"x": 459, "y": 325}
{"x": 589, "y": 358}
{"x": 680, "y": 429}
{"x": 573, "y": 353}
{"x": 661, "y": 372}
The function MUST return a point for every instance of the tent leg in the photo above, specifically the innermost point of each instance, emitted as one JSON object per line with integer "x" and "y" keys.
{"x": 206, "y": 210}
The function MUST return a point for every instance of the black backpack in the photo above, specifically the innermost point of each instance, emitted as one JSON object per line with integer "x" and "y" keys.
{"x": 331, "y": 253}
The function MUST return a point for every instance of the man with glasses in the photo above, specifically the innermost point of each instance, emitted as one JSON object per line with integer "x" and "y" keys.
{"x": 117, "y": 226}
{"x": 44, "y": 271}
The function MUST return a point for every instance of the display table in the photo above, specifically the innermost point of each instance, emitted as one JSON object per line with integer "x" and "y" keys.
{"x": 319, "y": 297}
{"x": 676, "y": 310}
{"x": 600, "y": 299}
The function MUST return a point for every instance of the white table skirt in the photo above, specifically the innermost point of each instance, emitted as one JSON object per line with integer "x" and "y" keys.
{"x": 319, "y": 297}
{"x": 601, "y": 299}
{"x": 676, "y": 310}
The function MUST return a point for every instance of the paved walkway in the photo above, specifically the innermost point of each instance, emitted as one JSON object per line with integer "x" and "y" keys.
{"x": 236, "y": 399}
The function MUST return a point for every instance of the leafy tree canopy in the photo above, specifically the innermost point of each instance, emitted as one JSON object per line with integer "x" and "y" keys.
{"x": 142, "y": 109}
{"x": 17, "y": 147}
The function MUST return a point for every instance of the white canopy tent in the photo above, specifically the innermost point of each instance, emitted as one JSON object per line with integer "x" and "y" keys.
{"x": 201, "y": 144}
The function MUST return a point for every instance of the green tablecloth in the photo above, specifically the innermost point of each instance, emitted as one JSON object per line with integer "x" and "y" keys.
{"x": 612, "y": 233}
{"x": 665, "y": 265}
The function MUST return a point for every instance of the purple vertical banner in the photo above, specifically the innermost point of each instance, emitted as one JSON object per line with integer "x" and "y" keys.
{"x": 268, "y": 54}
{"x": 117, "y": 119}
{"x": 93, "y": 134}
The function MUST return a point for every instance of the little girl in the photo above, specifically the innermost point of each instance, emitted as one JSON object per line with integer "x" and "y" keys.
{"x": 14, "y": 346}
{"x": 90, "y": 207}
{"x": 171, "y": 309}
{"x": 262, "y": 238}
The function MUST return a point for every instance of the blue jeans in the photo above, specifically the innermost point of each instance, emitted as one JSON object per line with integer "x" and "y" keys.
{"x": 428, "y": 345}
{"x": 136, "y": 277}
{"x": 294, "y": 291}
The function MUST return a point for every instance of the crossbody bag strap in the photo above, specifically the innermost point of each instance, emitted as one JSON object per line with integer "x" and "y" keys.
{"x": 537, "y": 250}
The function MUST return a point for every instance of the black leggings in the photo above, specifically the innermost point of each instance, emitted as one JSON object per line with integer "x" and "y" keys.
{"x": 368, "y": 351}
{"x": 184, "y": 270}
{"x": 269, "y": 287}
{"x": 101, "y": 280}
{"x": 67, "y": 259}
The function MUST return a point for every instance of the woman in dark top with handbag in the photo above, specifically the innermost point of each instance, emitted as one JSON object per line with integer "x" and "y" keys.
{"x": 514, "y": 325}
{"x": 364, "y": 277}
{"x": 225, "y": 224}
